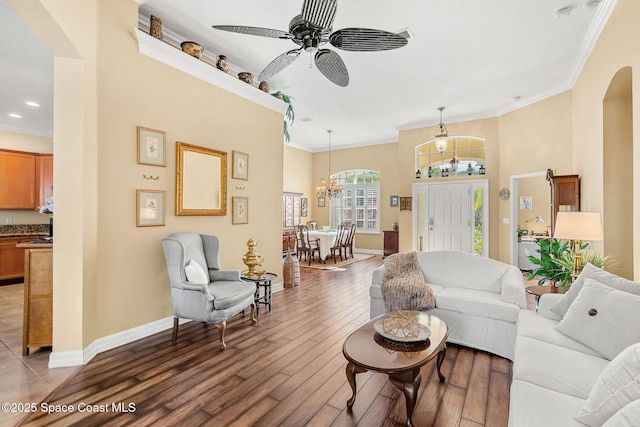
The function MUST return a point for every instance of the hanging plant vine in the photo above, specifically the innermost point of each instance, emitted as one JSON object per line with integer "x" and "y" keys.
{"x": 289, "y": 115}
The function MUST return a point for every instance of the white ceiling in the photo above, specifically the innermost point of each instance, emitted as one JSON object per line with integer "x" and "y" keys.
{"x": 476, "y": 58}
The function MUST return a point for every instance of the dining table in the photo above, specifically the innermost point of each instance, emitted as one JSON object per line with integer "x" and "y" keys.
{"x": 326, "y": 239}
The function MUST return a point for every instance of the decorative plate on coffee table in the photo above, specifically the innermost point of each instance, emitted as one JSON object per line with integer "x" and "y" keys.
{"x": 402, "y": 326}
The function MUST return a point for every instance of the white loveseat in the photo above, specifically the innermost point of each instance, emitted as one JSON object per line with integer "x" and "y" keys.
{"x": 576, "y": 356}
{"x": 479, "y": 298}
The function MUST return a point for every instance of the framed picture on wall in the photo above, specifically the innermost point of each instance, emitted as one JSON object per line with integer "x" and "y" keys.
{"x": 321, "y": 202}
{"x": 304, "y": 207}
{"x": 394, "y": 201}
{"x": 240, "y": 165}
{"x": 526, "y": 203}
{"x": 240, "y": 210}
{"x": 150, "y": 208}
{"x": 151, "y": 147}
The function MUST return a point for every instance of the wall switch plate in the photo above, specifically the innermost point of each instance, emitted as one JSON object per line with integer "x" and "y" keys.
{"x": 9, "y": 220}
{"x": 505, "y": 220}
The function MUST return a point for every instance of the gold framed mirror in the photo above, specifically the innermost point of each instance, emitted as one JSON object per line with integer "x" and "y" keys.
{"x": 201, "y": 180}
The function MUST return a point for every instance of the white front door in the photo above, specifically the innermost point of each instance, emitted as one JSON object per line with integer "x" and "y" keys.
{"x": 449, "y": 217}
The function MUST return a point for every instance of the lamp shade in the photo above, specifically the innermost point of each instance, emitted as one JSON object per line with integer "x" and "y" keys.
{"x": 578, "y": 226}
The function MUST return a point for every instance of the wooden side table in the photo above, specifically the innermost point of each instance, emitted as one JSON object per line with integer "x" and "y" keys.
{"x": 264, "y": 282}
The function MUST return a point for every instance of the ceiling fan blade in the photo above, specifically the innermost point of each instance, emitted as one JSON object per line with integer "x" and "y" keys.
{"x": 279, "y": 64}
{"x": 332, "y": 67}
{"x": 255, "y": 31}
{"x": 366, "y": 40}
{"x": 319, "y": 13}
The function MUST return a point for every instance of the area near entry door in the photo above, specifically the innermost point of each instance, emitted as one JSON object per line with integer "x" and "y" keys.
{"x": 449, "y": 217}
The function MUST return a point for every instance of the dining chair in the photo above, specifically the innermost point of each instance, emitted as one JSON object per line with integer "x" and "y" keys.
{"x": 313, "y": 225}
{"x": 348, "y": 241}
{"x": 338, "y": 243}
{"x": 306, "y": 246}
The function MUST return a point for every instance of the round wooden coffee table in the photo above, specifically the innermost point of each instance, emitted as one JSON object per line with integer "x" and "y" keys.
{"x": 366, "y": 350}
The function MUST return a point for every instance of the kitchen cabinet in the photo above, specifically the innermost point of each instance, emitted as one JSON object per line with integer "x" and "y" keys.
{"x": 17, "y": 180}
{"x": 37, "y": 326}
{"x": 26, "y": 179}
{"x": 12, "y": 257}
{"x": 44, "y": 178}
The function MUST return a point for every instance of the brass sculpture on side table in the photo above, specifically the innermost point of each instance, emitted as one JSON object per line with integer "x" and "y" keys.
{"x": 252, "y": 259}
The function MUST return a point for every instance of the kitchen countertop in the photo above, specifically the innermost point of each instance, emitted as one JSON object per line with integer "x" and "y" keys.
{"x": 18, "y": 230}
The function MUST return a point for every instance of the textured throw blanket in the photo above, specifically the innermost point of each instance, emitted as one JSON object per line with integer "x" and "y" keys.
{"x": 403, "y": 286}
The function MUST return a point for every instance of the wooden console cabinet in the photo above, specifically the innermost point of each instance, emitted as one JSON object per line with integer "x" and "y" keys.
{"x": 565, "y": 195}
{"x": 390, "y": 242}
{"x": 37, "y": 328}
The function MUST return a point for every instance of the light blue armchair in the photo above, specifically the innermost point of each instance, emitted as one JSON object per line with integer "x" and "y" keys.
{"x": 200, "y": 290}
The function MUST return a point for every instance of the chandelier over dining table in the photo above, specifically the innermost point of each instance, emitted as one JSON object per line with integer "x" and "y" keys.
{"x": 329, "y": 188}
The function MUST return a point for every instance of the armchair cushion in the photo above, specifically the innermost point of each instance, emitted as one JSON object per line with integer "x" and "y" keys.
{"x": 195, "y": 273}
{"x": 228, "y": 294}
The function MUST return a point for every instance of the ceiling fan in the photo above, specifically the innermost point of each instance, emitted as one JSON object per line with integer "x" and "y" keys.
{"x": 313, "y": 29}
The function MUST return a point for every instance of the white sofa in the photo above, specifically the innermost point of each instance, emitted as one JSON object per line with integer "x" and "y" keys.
{"x": 479, "y": 298}
{"x": 576, "y": 356}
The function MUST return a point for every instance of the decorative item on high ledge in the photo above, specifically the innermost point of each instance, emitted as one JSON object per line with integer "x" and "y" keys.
{"x": 289, "y": 115}
{"x": 192, "y": 48}
{"x": 155, "y": 27}
{"x": 251, "y": 259}
{"x": 246, "y": 77}
{"x": 221, "y": 63}
{"x": 264, "y": 86}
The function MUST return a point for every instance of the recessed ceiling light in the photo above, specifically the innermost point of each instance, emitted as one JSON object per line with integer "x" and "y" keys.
{"x": 306, "y": 119}
{"x": 15, "y": 116}
{"x": 32, "y": 104}
{"x": 592, "y": 3}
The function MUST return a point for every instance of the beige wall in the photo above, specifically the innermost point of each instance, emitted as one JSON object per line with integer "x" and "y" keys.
{"x": 118, "y": 279}
{"x": 30, "y": 144}
{"x": 616, "y": 49}
{"x": 298, "y": 177}
{"x": 377, "y": 158}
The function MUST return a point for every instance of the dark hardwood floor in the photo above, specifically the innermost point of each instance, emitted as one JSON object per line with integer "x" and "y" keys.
{"x": 287, "y": 371}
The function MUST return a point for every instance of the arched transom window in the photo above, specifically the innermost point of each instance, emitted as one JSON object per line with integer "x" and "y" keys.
{"x": 463, "y": 155}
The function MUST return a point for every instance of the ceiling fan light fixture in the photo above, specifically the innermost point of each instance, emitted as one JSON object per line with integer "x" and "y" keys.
{"x": 311, "y": 45}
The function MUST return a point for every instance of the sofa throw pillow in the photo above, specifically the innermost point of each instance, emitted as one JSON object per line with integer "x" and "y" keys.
{"x": 602, "y": 318}
{"x": 625, "y": 417}
{"x": 403, "y": 286}
{"x": 593, "y": 272}
{"x": 195, "y": 273}
{"x": 615, "y": 388}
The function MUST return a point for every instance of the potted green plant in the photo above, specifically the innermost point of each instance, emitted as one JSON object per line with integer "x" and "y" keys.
{"x": 555, "y": 264}
{"x": 289, "y": 115}
{"x": 557, "y": 261}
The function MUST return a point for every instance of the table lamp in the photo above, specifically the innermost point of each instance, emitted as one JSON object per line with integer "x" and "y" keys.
{"x": 578, "y": 226}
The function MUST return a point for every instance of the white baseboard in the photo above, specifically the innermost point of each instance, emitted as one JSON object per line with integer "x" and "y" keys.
{"x": 62, "y": 359}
